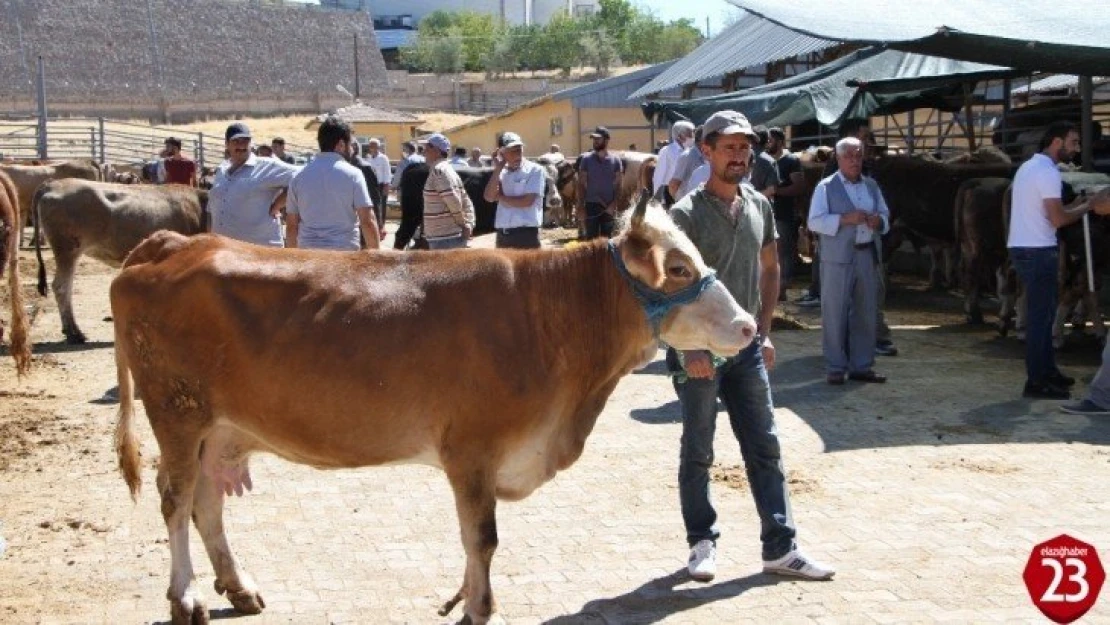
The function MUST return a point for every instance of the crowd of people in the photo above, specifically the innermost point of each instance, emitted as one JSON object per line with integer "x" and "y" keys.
{"x": 733, "y": 189}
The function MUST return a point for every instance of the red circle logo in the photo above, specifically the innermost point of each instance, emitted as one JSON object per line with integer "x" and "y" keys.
{"x": 1064, "y": 577}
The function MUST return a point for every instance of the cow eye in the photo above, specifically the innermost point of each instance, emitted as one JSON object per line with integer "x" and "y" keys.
{"x": 678, "y": 271}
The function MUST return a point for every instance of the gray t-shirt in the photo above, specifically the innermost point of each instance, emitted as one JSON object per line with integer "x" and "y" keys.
{"x": 765, "y": 172}
{"x": 690, "y": 161}
{"x": 239, "y": 202}
{"x": 602, "y": 176}
{"x": 731, "y": 247}
{"x": 326, "y": 194}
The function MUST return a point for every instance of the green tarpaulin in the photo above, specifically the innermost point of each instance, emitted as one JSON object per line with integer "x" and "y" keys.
{"x": 864, "y": 83}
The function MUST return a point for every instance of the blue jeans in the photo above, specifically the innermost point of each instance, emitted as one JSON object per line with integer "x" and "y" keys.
{"x": 1100, "y": 385}
{"x": 743, "y": 386}
{"x": 1037, "y": 267}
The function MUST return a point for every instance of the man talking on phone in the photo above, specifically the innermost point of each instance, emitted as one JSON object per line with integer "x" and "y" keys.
{"x": 517, "y": 186}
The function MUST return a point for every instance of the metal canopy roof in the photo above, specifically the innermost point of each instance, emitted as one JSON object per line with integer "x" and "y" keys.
{"x": 750, "y": 41}
{"x": 1030, "y": 35}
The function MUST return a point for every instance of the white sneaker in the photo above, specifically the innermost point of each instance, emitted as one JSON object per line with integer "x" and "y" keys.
{"x": 703, "y": 561}
{"x": 797, "y": 564}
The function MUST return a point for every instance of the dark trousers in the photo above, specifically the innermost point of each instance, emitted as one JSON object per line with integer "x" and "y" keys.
{"x": 599, "y": 223}
{"x": 1037, "y": 267}
{"x": 743, "y": 385}
{"x": 518, "y": 238}
{"x": 788, "y": 249}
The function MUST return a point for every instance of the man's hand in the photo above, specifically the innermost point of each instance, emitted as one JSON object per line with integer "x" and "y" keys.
{"x": 853, "y": 218}
{"x": 466, "y": 232}
{"x": 698, "y": 364}
{"x": 768, "y": 353}
{"x": 875, "y": 222}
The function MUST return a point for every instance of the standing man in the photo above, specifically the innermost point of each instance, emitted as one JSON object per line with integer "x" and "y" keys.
{"x": 849, "y": 214}
{"x": 475, "y": 159}
{"x": 680, "y": 183}
{"x": 380, "y": 163}
{"x": 278, "y": 147}
{"x": 682, "y": 135}
{"x": 599, "y": 178}
{"x": 733, "y": 228}
{"x": 248, "y": 192}
{"x": 448, "y": 211}
{"x": 1036, "y": 212}
{"x": 408, "y": 157}
{"x": 175, "y": 168}
{"x": 764, "y": 175}
{"x": 884, "y": 342}
{"x": 517, "y": 186}
{"x": 790, "y": 186}
{"x": 459, "y": 159}
{"x": 328, "y": 199}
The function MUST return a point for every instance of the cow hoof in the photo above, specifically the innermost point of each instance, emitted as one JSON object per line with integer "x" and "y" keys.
{"x": 244, "y": 601}
{"x": 188, "y": 613}
{"x": 77, "y": 338}
{"x": 247, "y": 601}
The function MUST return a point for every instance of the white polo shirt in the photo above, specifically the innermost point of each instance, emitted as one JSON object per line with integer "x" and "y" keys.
{"x": 1036, "y": 180}
{"x": 380, "y": 164}
{"x": 528, "y": 178}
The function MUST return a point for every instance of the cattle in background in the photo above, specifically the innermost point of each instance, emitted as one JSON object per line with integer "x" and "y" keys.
{"x": 221, "y": 336}
{"x": 9, "y": 262}
{"x": 981, "y": 237}
{"x": 1074, "y": 296}
{"x": 639, "y": 168}
{"x": 28, "y": 178}
{"x": 563, "y": 174}
{"x": 105, "y": 221}
{"x": 921, "y": 195}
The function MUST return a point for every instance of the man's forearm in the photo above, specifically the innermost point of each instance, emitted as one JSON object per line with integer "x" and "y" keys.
{"x": 291, "y": 232}
{"x": 768, "y": 297}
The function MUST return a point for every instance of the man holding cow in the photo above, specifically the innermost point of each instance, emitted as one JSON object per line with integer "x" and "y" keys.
{"x": 1037, "y": 211}
{"x": 734, "y": 230}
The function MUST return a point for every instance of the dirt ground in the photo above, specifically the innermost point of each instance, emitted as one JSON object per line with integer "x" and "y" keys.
{"x": 78, "y": 550}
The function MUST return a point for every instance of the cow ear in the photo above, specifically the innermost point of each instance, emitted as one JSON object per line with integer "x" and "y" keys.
{"x": 641, "y": 209}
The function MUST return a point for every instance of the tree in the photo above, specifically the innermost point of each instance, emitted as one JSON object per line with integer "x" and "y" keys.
{"x": 445, "y": 53}
{"x": 613, "y": 17}
{"x": 678, "y": 39}
{"x": 561, "y": 42}
{"x": 598, "y": 50}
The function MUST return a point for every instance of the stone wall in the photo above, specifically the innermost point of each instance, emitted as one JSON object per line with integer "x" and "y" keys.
{"x": 183, "y": 59}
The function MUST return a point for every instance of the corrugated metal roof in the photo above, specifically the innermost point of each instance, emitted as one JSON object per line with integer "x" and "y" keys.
{"x": 393, "y": 38}
{"x": 1024, "y": 34}
{"x": 611, "y": 92}
{"x": 366, "y": 113}
{"x": 750, "y": 41}
{"x": 1052, "y": 83}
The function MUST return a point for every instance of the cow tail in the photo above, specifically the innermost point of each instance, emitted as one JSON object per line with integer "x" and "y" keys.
{"x": 127, "y": 443}
{"x": 38, "y": 243}
{"x": 21, "y": 344}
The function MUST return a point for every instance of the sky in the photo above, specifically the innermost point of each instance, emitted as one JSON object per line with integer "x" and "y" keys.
{"x": 716, "y": 10}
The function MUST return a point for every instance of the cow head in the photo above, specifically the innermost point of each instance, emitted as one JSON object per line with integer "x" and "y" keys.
{"x": 686, "y": 305}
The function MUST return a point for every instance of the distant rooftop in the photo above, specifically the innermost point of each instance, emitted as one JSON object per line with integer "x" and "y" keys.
{"x": 360, "y": 112}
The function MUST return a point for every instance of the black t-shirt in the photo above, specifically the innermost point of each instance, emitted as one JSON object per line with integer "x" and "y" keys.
{"x": 784, "y": 206}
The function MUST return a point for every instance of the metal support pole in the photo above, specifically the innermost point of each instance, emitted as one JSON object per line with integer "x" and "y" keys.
{"x": 1087, "y": 248}
{"x": 909, "y": 135}
{"x": 42, "y": 150}
{"x": 1007, "y": 94}
{"x": 100, "y": 140}
{"x": 200, "y": 149}
{"x": 92, "y": 143}
{"x": 1086, "y": 131}
{"x": 358, "y": 88}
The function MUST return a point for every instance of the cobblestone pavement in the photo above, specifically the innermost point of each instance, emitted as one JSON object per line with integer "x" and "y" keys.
{"x": 926, "y": 493}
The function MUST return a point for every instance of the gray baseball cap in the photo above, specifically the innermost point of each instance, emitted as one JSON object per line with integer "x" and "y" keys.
{"x": 727, "y": 123}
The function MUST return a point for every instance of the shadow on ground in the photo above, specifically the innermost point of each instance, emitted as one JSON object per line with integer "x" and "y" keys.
{"x": 659, "y": 599}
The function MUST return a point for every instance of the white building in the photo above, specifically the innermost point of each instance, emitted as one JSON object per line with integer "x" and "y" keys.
{"x": 512, "y": 11}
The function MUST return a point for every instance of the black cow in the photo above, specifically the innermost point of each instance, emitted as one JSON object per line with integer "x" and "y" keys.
{"x": 921, "y": 195}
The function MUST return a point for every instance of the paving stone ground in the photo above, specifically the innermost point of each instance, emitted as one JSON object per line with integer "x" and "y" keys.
{"x": 927, "y": 494}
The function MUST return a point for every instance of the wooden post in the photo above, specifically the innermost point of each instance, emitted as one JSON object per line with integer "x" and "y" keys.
{"x": 1086, "y": 134}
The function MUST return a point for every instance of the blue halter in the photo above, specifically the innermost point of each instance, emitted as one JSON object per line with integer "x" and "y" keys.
{"x": 657, "y": 304}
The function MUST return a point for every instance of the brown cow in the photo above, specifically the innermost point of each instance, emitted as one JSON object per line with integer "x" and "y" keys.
{"x": 223, "y": 336}
{"x": 105, "y": 221}
{"x": 981, "y": 237}
{"x": 566, "y": 184}
{"x": 9, "y": 261}
{"x": 28, "y": 178}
